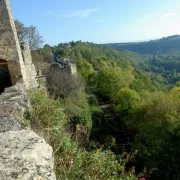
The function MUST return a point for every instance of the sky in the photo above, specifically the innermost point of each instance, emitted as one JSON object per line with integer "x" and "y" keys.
{"x": 99, "y": 21}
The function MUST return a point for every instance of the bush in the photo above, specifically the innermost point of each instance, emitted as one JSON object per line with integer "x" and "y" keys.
{"x": 72, "y": 161}
{"x": 157, "y": 123}
{"x": 45, "y": 112}
{"x": 126, "y": 99}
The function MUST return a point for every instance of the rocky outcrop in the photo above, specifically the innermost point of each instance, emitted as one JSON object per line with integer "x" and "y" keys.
{"x": 23, "y": 154}
{"x": 13, "y": 102}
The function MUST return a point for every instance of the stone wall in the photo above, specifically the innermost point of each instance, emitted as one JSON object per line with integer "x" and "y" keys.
{"x": 23, "y": 154}
{"x": 29, "y": 67}
{"x": 73, "y": 69}
{"x": 61, "y": 80}
{"x": 9, "y": 46}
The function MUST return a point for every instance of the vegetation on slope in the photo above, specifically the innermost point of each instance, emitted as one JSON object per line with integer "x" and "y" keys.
{"x": 160, "y": 58}
{"x": 71, "y": 160}
{"x": 163, "y": 45}
{"x": 132, "y": 110}
{"x": 126, "y": 120}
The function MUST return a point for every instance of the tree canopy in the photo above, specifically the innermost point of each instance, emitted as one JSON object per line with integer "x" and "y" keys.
{"x": 29, "y": 34}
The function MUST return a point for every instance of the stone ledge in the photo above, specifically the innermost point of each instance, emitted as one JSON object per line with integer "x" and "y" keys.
{"x": 24, "y": 155}
{"x": 13, "y": 102}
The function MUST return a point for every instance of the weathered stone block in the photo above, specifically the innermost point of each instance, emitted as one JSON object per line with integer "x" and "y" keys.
{"x": 26, "y": 156}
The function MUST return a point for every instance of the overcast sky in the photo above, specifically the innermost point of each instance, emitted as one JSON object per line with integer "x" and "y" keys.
{"x": 99, "y": 21}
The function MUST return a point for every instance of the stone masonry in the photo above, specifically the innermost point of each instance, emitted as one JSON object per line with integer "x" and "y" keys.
{"x": 11, "y": 52}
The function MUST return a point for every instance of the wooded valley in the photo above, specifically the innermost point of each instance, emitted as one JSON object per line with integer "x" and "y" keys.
{"x": 129, "y": 106}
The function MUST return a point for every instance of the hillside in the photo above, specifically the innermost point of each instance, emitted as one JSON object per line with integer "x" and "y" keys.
{"x": 86, "y": 111}
{"x": 128, "y": 100}
{"x": 160, "y": 58}
{"x": 91, "y": 57}
{"x": 163, "y": 45}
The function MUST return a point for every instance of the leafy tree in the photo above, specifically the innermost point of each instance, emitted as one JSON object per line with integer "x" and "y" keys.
{"x": 126, "y": 99}
{"x": 85, "y": 68}
{"x": 156, "y": 122}
{"x": 111, "y": 80}
{"x": 29, "y": 34}
{"x": 175, "y": 93}
{"x": 47, "y": 53}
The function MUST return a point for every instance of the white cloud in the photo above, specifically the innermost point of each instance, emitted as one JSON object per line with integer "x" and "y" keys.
{"x": 168, "y": 15}
{"x": 75, "y": 14}
{"x": 82, "y": 13}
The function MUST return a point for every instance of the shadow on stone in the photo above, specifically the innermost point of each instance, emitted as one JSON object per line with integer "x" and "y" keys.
{"x": 5, "y": 79}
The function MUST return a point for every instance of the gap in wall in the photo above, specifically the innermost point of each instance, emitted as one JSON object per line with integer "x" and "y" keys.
{"x": 5, "y": 79}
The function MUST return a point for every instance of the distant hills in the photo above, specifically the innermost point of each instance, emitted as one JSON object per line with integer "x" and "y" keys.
{"x": 163, "y": 45}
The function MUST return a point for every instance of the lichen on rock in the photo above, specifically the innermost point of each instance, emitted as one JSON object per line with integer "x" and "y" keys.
{"x": 23, "y": 154}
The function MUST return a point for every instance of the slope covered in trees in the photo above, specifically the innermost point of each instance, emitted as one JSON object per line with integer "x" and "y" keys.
{"x": 91, "y": 58}
{"x": 161, "y": 58}
{"x": 163, "y": 45}
{"x": 133, "y": 108}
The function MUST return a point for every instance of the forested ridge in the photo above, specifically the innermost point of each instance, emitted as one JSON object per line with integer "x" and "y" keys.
{"x": 130, "y": 105}
{"x": 160, "y": 57}
{"x": 163, "y": 45}
{"x": 120, "y": 118}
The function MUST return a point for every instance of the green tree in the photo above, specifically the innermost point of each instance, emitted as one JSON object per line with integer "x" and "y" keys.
{"x": 126, "y": 99}
{"x": 111, "y": 80}
{"x": 175, "y": 93}
{"x": 85, "y": 68}
{"x": 29, "y": 34}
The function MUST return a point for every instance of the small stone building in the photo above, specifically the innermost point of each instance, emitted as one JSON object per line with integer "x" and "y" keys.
{"x": 15, "y": 64}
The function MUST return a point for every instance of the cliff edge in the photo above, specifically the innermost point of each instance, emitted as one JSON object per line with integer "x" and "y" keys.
{"x": 23, "y": 154}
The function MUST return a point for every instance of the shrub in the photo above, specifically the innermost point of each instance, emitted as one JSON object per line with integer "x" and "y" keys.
{"x": 157, "y": 123}
{"x": 72, "y": 161}
{"x": 126, "y": 99}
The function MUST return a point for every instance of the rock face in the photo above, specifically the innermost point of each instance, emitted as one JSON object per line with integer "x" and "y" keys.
{"x": 23, "y": 154}
{"x": 12, "y": 106}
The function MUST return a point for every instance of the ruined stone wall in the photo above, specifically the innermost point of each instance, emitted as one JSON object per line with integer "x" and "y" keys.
{"x": 73, "y": 69}
{"x": 9, "y": 46}
{"x": 29, "y": 67}
{"x": 61, "y": 80}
